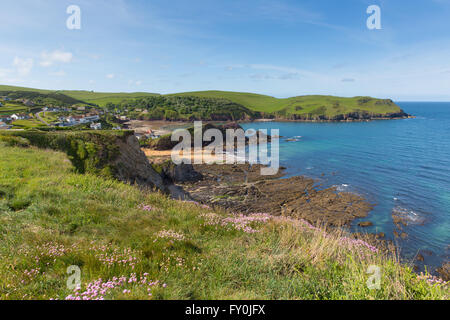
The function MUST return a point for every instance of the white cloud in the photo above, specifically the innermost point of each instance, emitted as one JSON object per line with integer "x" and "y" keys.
{"x": 23, "y": 66}
{"x": 110, "y": 76}
{"x": 48, "y": 59}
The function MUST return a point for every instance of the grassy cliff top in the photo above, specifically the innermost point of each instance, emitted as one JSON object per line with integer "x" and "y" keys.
{"x": 152, "y": 247}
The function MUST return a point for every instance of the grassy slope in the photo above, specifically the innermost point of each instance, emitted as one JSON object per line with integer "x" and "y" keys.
{"x": 15, "y": 88}
{"x": 100, "y": 98}
{"x": 51, "y": 217}
{"x": 9, "y": 108}
{"x": 309, "y": 104}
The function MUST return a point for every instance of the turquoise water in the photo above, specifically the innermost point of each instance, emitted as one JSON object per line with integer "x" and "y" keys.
{"x": 400, "y": 165}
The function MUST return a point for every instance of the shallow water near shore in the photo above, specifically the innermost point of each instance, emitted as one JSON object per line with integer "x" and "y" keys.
{"x": 403, "y": 166}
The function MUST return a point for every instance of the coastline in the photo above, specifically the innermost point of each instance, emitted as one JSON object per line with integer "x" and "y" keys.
{"x": 328, "y": 121}
{"x": 241, "y": 190}
{"x": 163, "y": 127}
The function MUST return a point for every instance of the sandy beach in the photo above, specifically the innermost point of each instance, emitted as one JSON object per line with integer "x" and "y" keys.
{"x": 158, "y": 156}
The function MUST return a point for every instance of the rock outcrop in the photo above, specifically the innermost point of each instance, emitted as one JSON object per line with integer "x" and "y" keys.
{"x": 131, "y": 165}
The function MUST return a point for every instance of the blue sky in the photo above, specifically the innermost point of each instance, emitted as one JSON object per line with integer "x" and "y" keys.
{"x": 280, "y": 48}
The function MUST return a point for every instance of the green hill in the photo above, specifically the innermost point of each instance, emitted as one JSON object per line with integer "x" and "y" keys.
{"x": 308, "y": 107}
{"x": 314, "y": 105}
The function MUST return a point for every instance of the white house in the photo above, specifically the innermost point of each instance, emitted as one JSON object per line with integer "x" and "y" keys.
{"x": 92, "y": 118}
{"x": 96, "y": 126}
{"x": 21, "y": 116}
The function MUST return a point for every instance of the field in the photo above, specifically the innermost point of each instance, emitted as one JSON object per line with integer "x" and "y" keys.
{"x": 135, "y": 244}
{"x": 9, "y": 108}
{"x": 50, "y": 117}
{"x": 27, "y": 124}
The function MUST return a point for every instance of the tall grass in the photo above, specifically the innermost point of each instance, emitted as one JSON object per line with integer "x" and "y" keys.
{"x": 131, "y": 243}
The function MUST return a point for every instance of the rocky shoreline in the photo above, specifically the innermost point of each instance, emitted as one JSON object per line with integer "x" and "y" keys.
{"x": 338, "y": 119}
{"x": 242, "y": 190}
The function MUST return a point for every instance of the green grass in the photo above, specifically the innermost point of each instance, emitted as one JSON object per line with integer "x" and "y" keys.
{"x": 27, "y": 124}
{"x": 52, "y": 218}
{"x": 15, "y": 88}
{"x": 102, "y": 98}
{"x": 50, "y": 117}
{"x": 9, "y": 108}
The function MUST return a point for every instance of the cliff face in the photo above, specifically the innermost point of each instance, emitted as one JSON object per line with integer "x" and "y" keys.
{"x": 131, "y": 165}
{"x": 351, "y": 116}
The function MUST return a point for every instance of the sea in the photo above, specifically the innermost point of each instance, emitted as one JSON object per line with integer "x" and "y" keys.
{"x": 401, "y": 166}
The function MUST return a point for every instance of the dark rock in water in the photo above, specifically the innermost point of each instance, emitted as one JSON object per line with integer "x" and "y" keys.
{"x": 231, "y": 125}
{"x": 444, "y": 271}
{"x": 180, "y": 173}
{"x": 398, "y": 220}
{"x": 365, "y": 224}
{"x": 420, "y": 257}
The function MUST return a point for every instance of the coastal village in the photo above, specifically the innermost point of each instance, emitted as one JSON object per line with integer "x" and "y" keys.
{"x": 20, "y": 114}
